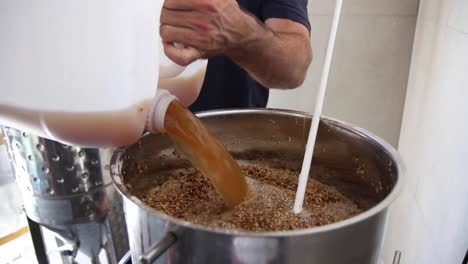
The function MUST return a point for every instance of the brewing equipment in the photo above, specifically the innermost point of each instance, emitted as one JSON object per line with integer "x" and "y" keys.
{"x": 68, "y": 191}
{"x": 357, "y": 163}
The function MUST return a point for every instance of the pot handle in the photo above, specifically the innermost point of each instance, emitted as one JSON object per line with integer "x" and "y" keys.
{"x": 157, "y": 250}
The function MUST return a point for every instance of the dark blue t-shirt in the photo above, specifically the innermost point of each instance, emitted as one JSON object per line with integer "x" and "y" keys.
{"x": 226, "y": 84}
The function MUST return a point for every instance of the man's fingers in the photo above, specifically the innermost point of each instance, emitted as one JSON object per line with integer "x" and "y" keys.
{"x": 183, "y": 4}
{"x": 182, "y": 56}
{"x": 174, "y": 17}
{"x": 188, "y": 19}
{"x": 185, "y": 36}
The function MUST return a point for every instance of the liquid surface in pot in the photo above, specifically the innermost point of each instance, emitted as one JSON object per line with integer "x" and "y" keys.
{"x": 187, "y": 195}
{"x": 347, "y": 178}
{"x": 206, "y": 153}
{"x": 214, "y": 192}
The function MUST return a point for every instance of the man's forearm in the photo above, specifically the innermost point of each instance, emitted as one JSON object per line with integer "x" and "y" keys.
{"x": 274, "y": 59}
{"x": 276, "y": 53}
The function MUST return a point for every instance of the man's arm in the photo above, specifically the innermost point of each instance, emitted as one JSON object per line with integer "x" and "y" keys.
{"x": 276, "y": 53}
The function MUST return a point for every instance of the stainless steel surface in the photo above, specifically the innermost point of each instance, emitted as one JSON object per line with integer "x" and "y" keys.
{"x": 89, "y": 242}
{"x": 157, "y": 250}
{"x": 126, "y": 258}
{"x": 61, "y": 184}
{"x": 69, "y": 190}
{"x": 397, "y": 257}
{"x": 354, "y": 161}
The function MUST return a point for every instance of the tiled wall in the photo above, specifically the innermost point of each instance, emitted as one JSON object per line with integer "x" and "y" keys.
{"x": 429, "y": 222}
{"x": 370, "y": 67}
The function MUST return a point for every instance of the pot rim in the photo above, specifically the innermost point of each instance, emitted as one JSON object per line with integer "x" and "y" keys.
{"x": 382, "y": 205}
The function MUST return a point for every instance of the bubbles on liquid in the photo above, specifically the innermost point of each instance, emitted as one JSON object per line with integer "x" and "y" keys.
{"x": 50, "y": 191}
{"x": 81, "y": 153}
{"x": 98, "y": 183}
{"x": 55, "y": 158}
{"x": 45, "y": 170}
{"x": 30, "y": 157}
{"x": 70, "y": 168}
{"x": 60, "y": 180}
{"x": 94, "y": 162}
{"x": 75, "y": 189}
{"x": 141, "y": 168}
{"x": 35, "y": 179}
{"x": 306, "y": 215}
{"x": 25, "y": 135}
{"x": 40, "y": 147}
{"x": 84, "y": 175}
{"x": 361, "y": 169}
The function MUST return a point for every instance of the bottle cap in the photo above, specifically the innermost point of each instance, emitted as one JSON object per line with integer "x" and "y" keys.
{"x": 157, "y": 112}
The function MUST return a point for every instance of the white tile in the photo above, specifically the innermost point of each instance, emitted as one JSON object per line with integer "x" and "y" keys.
{"x": 434, "y": 133}
{"x": 366, "y": 7}
{"x": 459, "y": 17}
{"x": 430, "y": 10}
{"x": 302, "y": 99}
{"x": 446, "y": 122}
{"x": 368, "y": 74}
{"x": 442, "y": 194}
{"x": 19, "y": 251}
{"x": 406, "y": 231}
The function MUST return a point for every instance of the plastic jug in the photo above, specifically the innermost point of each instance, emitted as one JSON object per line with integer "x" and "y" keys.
{"x": 82, "y": 72}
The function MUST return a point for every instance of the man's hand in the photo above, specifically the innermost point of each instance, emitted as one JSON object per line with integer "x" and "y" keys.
{"x": 276, "y": 53}
{"x": 206, "y": 28}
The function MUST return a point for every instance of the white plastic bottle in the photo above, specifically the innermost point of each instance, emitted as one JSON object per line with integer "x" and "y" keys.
{"x": 82, "y": 72}
{"x": 187, "y": 85}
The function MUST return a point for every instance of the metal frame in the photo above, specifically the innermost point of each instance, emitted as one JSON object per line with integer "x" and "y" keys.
{"x": 38, "y": 241}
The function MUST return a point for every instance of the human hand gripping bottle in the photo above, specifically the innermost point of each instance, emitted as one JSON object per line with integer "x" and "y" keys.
{"x": 85, "y": 73}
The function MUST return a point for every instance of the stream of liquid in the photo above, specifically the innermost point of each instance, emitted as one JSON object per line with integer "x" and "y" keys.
{"x": 117, "y": 128}
{"x": 206, "y": 153}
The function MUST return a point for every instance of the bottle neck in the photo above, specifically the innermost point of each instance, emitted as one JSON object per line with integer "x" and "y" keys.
{"x": 157, "y": 112}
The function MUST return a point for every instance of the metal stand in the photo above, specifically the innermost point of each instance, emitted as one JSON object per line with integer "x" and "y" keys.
{"x": 69, "y": 191}
{"x": 38, "y": 242}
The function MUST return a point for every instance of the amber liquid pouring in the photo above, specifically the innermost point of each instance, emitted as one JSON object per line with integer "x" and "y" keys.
{"x": 206, "y": 153}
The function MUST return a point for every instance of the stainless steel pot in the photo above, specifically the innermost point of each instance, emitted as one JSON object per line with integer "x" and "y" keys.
{"x": 357, "y": 163}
